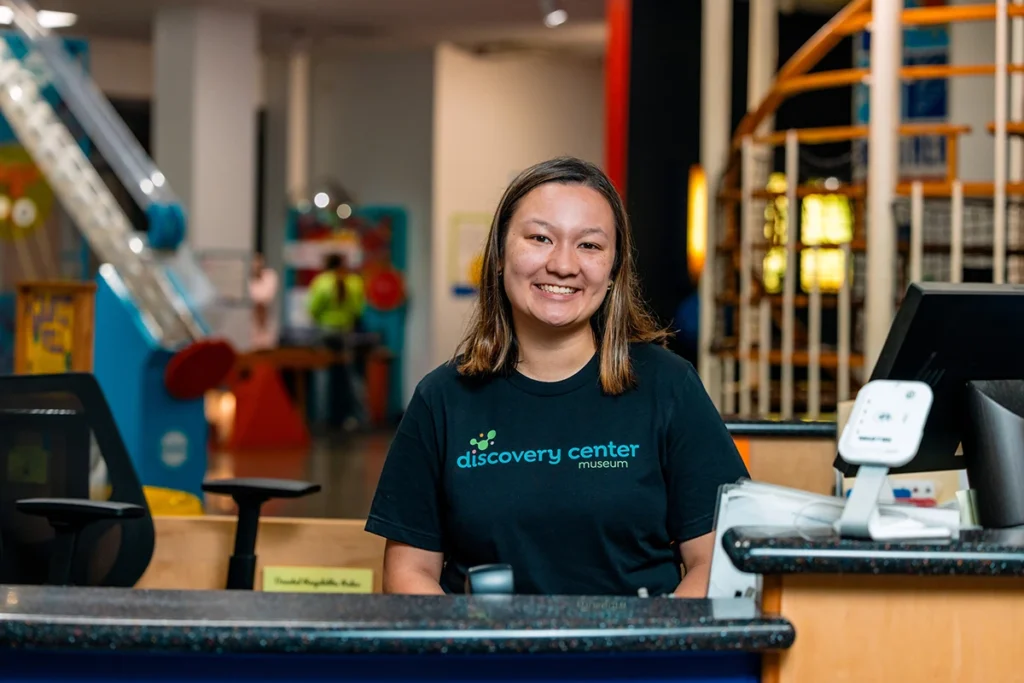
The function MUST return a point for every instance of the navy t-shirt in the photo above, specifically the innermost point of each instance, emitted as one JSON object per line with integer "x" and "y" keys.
{"x": 581, "y": 492}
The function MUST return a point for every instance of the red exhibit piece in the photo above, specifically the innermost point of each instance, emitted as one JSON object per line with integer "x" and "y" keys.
{"x": 264, "y": 414}
{"x": 385, "y": 290}
{"x": 618, "y": 16}
{"x": 199, "y": 367}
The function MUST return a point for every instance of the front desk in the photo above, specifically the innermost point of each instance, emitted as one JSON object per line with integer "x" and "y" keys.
{"x": 78, "y": 634}
{"x": 910, "y": 611}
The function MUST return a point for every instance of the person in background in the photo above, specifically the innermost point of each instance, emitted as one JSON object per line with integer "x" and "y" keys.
{"x": 262, "y": 291}
{"x": 336, "y": 303}
{"x": 336, "y": 298}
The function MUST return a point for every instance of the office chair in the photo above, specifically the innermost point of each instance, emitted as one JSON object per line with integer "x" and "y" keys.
{"x": 52, "y": 533}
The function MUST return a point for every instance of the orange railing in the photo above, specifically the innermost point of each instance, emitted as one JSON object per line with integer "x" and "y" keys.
{"x": 738, "y": 234}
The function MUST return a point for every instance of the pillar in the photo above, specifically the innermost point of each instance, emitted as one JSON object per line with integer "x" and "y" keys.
{"x": 883, "y": 170}
{"x": 207, "y": 74}
{"x": 715, "y": 120}
{"x": 298, "y": 124}
{"x": 763, "y": 55}
{"x": 617, "y": 58}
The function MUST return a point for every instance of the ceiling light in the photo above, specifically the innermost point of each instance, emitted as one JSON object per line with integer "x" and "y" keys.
{"x": 553, "y": 15}
{"x": 46, "y": 18}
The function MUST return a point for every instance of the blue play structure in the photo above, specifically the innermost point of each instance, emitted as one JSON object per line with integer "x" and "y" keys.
{"x": 152, "y": 296}
{"x": 165, "y": 436}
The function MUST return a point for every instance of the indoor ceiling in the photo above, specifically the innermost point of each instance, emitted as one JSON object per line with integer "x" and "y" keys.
{"x": 362, "y": 24}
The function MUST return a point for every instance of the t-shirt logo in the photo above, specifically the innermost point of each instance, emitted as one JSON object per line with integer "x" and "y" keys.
{"x": 608, "y": 455}
{"x": 483, "y": 443}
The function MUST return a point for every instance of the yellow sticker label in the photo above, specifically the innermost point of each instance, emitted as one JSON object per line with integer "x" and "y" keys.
{"x": 317, "y": 580}
{"x": 27, "y": 465}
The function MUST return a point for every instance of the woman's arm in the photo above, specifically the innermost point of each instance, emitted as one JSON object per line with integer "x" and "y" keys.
{"x": 696, "y": 555}
{"x": 412, "y": 571}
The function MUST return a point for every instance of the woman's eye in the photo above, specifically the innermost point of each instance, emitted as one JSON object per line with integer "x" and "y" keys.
{"x": 539, "y": 238}
{"x": 590, "y": 245}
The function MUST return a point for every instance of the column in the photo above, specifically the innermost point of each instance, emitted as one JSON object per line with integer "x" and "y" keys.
{"x": 715, "y": 119}
{"x": 298, "y": 124}
{"x": 207, "y": 74}
{"x": 883, "y": 170}
{"x": 763, "y": 54}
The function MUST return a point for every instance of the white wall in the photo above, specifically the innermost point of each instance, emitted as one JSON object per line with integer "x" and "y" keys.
{"x": 972, "y": 98}
{"x": 372, "y": 131}
{"x": 124, "y": 68}
{"x": 493, "y": 117}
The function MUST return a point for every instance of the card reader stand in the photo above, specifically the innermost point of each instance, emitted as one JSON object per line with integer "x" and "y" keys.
{"x": 884, "y": 431}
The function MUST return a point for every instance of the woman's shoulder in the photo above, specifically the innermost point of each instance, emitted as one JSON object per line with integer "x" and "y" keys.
{"x": 654, "y": 360}
{"x": 443, "y": 381}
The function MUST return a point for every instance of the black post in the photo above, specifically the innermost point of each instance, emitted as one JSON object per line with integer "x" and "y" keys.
{"x": 62, "y": 558}
{"x": 242, "y": 565}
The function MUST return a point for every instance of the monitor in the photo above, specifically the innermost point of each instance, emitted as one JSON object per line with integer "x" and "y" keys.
{"x": 966, "y": 341}
{"x": 947, "y": 335}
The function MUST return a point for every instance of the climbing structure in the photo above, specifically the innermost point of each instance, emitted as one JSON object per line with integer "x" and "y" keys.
{"x": 787, "y": 260}
{"x": 154, "y": 357}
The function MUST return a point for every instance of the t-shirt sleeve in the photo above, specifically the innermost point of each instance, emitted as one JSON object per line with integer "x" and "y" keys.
{"x": 407, "y": 504}
{"x": 700, "y": 456}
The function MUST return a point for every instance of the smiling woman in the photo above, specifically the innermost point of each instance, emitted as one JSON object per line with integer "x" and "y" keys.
{"x": 561, "y": 353}
{"x": 558, "y": 261}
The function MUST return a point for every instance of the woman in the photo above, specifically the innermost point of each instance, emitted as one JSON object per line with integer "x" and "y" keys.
{"x": 562, "y": 439}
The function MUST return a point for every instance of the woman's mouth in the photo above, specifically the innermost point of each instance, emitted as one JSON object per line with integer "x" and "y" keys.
{"x": 560, "y": 290}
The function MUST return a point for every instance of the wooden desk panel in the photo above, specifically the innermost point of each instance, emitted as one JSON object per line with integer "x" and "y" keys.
{"x": 192, "y": 552}
{"x": 800, "y": 463}
{"x": 897, "y": 628}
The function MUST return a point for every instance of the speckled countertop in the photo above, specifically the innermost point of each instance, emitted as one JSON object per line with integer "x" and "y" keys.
{"x": 778, "y": 551}
{"x": 245, "y": 622}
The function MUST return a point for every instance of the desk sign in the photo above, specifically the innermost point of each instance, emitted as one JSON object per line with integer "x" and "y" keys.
{"x": 317, "y": 580}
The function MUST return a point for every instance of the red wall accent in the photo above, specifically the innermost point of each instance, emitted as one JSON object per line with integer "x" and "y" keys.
{"x": 616, "y": 91}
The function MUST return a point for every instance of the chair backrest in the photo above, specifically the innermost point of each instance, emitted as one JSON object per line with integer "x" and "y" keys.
{"x": 58, "y": 439}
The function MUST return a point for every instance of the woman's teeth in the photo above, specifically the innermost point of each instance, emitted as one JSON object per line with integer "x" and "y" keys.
{"x": 554, "y": 289}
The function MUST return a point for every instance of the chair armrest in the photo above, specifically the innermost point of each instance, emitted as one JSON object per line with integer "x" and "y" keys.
{"x": 77, "y": 512}
{"x": 250, "y": 494}
{"x": 255, "y": 488}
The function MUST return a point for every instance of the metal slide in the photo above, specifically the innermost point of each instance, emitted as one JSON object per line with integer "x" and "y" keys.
{"x": 143, "y": 271}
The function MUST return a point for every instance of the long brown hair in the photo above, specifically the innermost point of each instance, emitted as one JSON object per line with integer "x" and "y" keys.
{"x": 490, "y": 345}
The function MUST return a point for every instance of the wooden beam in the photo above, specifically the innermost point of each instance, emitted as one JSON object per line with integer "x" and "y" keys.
{"x": 826, "y": 134}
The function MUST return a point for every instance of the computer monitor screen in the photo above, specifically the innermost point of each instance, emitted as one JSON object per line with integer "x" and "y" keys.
{"x": 946, "y": 335}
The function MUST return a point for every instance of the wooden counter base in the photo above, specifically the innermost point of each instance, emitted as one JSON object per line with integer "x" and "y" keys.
{"x": 192, "y": 553}
{"x": 897, "y": 628}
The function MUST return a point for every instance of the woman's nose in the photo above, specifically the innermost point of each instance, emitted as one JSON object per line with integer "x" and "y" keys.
{"x": 563, "y": 261}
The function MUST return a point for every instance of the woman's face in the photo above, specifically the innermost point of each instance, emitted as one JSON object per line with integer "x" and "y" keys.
{"x": 559, "y": 253}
